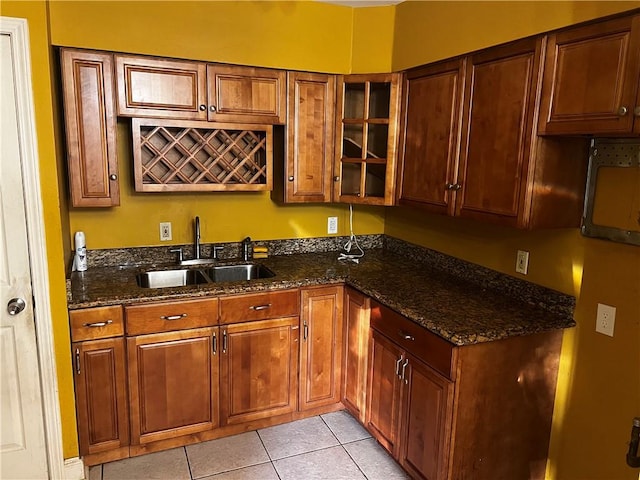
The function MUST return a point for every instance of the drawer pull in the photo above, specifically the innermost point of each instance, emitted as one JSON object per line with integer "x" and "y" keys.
{"x": 406, "y": 336}
{"x": 173, "y": 317}
{"x": 260, "y": 307}
{"x": 98, "y": 324}
{"x": 398, "y": 366}
{"x": 404, "y": 367}
{"x": 78, "y": 361}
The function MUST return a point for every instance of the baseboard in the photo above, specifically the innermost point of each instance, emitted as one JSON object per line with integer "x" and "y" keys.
{"x": 74, "y": 469}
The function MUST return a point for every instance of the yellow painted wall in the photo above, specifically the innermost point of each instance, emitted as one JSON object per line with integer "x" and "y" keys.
{"x": 290, "y": 35}
{"x": 36, "y": 15}
{"x": 598, "y": 388}
{"x": 430, "y": 31}
{"x": 372, "y": 39}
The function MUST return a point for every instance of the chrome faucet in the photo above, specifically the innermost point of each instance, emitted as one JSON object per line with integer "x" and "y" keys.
{"x": 196, "y": 247}
{"x": 246, "y": 243}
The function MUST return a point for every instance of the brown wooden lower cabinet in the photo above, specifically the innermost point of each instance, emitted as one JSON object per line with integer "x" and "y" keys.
{"x": 383, "y": 392}
{"x": 425, "y": 423}
{"x": 258, "y": 369}
{"x": 480, "y": 411}
{"x": 101, "y": 395}
{"x": 173, "y": 384}
{"x": 356, "y": 341}
{"x": 320, "y": 346}
{"x": 483, "y": 411}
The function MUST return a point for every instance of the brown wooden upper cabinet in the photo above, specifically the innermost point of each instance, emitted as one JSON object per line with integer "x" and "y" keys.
{"x": 432, "y": 101}
{"x": 496, "y": 169}
{"x": 591, "y": 80}
{"x": 90, "y": 125}
{"x": 367, "y": 127}
{"x": 310, "y": 137}
{"x": 164, "y": 88}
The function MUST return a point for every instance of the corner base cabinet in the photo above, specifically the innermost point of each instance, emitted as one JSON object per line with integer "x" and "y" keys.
{"x": 481, "y": 411}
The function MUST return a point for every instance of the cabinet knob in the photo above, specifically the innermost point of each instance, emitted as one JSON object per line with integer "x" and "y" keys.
{"x": 622, "y": 111}
{"x": 636, "y": 111}
{"x": 212, "y": 108}
{"x": 291, "y": 178}
{"x": 202, "y": 108}
{"x": 113, "y": 176}
{"x": 336, "y": 178}
{"x": 453, "y": 186}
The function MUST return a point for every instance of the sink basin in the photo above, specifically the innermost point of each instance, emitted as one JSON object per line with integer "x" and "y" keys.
{"x": 219, "y": 273}
{"x": 235, "y": 273}
{"x": 170, "y": 278}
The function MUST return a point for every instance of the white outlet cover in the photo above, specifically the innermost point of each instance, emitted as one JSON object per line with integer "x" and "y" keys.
{"x": 605, "y": 319}
{"x": 332, "y": 225}
{"x": 165, "y": 231}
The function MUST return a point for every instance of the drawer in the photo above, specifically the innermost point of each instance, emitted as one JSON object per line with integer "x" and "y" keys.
{"x": 415, "y": 339}
{"x": 259, "y": 306}
{"x": 99, "y": 322}
{"x": 170, "y": 316}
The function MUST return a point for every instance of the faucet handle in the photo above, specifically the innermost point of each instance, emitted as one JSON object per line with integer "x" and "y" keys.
{"x": 179, "y": 252}
{"x": 214, "y": 251}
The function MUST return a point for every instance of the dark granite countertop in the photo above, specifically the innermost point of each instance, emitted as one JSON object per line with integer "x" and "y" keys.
{"x": 461, "y": 309}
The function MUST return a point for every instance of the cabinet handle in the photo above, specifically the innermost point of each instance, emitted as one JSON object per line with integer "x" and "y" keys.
{"x": 212, "y": 108}
{"x": 453, "y": 186}
{"x": 405, "y": 335}
{"x": 336, "y": 178}
{"x": 202, "y": 107}
{"x": 224, "y": 342}
{"x": 622, "y": 111}
{"x": 260, "y": 307}
{"x": 291, "y": 178}
{"x": 98, "y": 324}
{"x": 636, "y": 111}
{"x": 113, "y": 176}
{"x": 78, "y": 361}
{"x": 404, "y": 367}
{"x": 398, "y": 366}
{"x": 214, "y": 343}
{"x": 305, "y": 331}
{"x": 173, "y": 317}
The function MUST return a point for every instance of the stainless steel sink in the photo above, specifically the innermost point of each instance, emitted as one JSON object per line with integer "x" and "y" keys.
{"x": 219, "y": 273}
{"x": 170, "y": 278}
{"x": 236, "y": 273}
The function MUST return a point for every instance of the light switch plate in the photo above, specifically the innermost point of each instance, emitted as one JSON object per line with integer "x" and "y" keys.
{"x": 605, "y": 319}
{"x": 522, "y": 262}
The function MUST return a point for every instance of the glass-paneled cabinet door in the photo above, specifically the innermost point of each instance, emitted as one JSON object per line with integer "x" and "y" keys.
{"x": 368, "y": 112}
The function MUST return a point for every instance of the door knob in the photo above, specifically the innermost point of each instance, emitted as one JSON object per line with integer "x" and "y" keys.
{"x": 15, "y": 306}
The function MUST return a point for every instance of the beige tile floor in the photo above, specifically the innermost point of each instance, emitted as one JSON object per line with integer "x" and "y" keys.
{"x": 328, "y": 447}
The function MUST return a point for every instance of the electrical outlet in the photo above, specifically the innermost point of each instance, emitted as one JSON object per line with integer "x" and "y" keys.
{"x": 332, "y": 225}
{"x": 522, "y": 262}
{"x": 605, "y": 319}
{"x": 165, "y": 231}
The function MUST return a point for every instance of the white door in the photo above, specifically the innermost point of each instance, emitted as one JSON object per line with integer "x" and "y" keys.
{"x": 22, "y": 443}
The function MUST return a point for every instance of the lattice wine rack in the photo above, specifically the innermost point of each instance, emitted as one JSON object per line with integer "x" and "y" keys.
{"x": 175, "y": 155}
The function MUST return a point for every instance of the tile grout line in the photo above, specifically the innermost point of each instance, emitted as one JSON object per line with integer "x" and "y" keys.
{"x": 268, "y": 454}
{"x": 188, "y": 462}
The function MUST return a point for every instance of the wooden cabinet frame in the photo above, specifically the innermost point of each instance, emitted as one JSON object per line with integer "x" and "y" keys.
{"x": 591, "y": 79}
{"x": 90, "y": 122}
